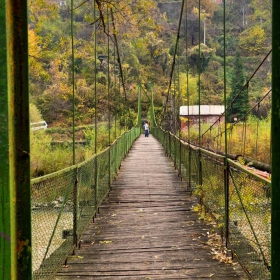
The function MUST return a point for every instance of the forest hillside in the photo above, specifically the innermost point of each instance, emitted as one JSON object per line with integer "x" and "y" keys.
{"x": 146, "y": 33}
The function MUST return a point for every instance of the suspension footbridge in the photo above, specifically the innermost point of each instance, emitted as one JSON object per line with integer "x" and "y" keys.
{"x": 147, "y": 227}
{"x": 140, "y": 207}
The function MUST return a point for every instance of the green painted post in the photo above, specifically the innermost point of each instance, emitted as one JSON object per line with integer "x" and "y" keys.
{"x": 5, "y": 227}
{"x": 275, "y": 134}
{"x": 15, "y": 222}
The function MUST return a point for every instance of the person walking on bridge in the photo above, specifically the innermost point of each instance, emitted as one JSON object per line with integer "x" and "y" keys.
{"x": 146, "y": 128}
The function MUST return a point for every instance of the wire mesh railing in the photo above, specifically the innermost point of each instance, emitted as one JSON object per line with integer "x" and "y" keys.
{"x": 63, "y": 204}
{"x": 237, "y": 198}
{"x": 250, "y": 220}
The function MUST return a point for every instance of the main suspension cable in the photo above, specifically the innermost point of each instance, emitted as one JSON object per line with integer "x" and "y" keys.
{"x": 174, "y": 59}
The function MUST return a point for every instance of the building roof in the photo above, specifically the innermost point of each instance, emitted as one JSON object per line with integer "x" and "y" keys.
{"x": 214, "y": 110}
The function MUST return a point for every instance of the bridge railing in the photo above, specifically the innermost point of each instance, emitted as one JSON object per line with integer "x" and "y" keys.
{"x": 236, "y": 197}
{"x": 65, "y": 202}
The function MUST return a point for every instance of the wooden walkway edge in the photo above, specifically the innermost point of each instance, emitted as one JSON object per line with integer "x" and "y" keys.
{"x": 147, "y": 228}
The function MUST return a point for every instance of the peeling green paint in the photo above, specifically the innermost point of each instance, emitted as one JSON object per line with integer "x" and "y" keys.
{"x": 5, "y": 239}
{"x": 15, "y": 221}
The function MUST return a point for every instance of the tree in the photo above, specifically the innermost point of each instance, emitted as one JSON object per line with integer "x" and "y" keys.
{"x": 252, "y": 40}
{"x": 239, "y": 101}
{"x": 204, "y": 56}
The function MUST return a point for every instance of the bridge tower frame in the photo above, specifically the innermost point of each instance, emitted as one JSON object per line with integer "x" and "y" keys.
{"x": 15, "y": 225}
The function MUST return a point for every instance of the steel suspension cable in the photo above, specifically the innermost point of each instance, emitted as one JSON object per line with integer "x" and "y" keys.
{"x": 73, "y": 82}
{"x": 146, "y": 93}
{"x": 173, "y": 125}
{"x": 187, "y": 73}
{"x": 174, "y": 59}
{"x": 247, "y": 113}
{"x": 95, "y": 82}
{"x": 118, "y": 52}
{"x": 257, "y": 136}
{"x": 109, "y": 80}
{"x": 179, "y": 101}
{"x": 228, "y": 107}
{"x": 115, "y": 92}
{"x": 245, "y": 128}
{"x": 139, "y": 121}
{"x": 119, "y": 61}
{"x": 225, "y": 77}
{"x": 108, "y": 99}
{"x": 226, "y": 167}
{"x": 188, "y": 101}
{"x": 199, "y": 73}
{"x": 152, "y": 106}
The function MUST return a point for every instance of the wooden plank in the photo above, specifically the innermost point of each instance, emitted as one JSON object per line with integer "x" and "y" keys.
{"x": 146, "y": 228}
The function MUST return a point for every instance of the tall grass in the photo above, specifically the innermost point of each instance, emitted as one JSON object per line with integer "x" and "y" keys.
{"x": 250, "y": 139}
{"x": 48, "y": 158}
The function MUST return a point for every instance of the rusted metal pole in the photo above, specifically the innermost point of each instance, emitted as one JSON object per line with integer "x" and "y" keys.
{"x": 15, "y": 222}
{"x": 275, "y": 134}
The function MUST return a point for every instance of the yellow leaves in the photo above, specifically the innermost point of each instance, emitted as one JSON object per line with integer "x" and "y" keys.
{"x": 75, "y": 257}
{"x": 88, "y": 18}
{"x": 105, "y": 242}
{"x": 253, "y": 39}
{"x": 221, "y": 257}
{"x": 204, "y": 13}
{"x": 125, "y": 65}
{"x": 195, "y": 11}
{"x": 184, "y": 119}
{"x": 36, "y": 69}
{"x": 33, "y": 43}
{"x": 207, "y": 6}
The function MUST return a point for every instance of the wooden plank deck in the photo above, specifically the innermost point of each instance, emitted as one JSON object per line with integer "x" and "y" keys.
{"x": 146, "y": 228}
